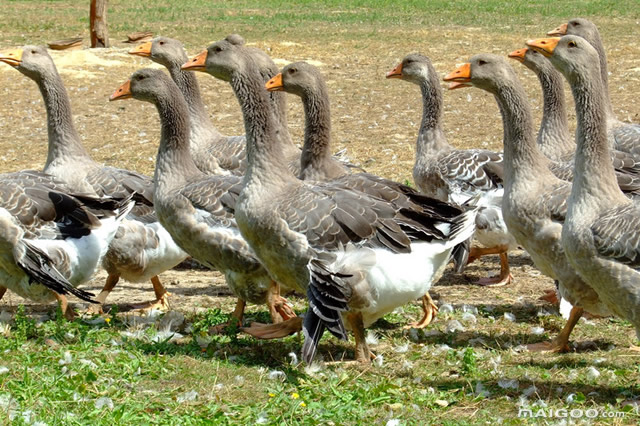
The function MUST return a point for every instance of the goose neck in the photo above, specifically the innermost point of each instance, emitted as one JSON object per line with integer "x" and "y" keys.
{"x": 594, "y": 173}
{"x": 187, "y": 82}
{"x": 431, "y": 137}
{"x": 554, "y": 138}
{"x": 604, "y": 73}
{"x": 522, "y": 159}
{"x": 316, "y": 151}
{"x": 174, "y": 164}
{"x": 266, "y": 163}
{"x": 64, "y": 141}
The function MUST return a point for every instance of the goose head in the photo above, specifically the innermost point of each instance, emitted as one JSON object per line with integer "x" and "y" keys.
{"x": 162, "y": 50}
{"x": 484, "y": 71}
{"x": 577, "y": 26}
{"x": 532, "y": 59}
{"x": 415, "y": 68}
{"x": 146, "y": 84}
{"x": 573, "y": 56}
{"x": 221, "y": 59}
{"x": 298, "y": 78}
{"x": 32, "y": 61}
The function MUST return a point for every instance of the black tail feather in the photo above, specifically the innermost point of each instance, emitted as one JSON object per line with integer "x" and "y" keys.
{"x": 313, "y": 329}
{"x": 328, "y": 296}
{"x": 460, "y": 255}
{"x": 39, "y": 267}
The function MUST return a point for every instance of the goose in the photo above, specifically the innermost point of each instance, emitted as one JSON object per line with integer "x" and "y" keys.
{"x": 354, "y": 255}
{"x": 213, "y": 152}
{"x": 622, "y": 136}
{"x": 554, "y": 139}
{"x": 197, "y": 209}
{"x": 601, "y": 228}
{"x": 455, "y": 175}
{"x": 142, "y": 248}
{"x": 304, "y": 80}
{"x": 317, "y": 164}
{"x": 52, "y": 241}
{"x": 535, "y": 200}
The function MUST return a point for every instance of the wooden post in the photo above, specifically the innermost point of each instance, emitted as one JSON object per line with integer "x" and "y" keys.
{"x": 98, "y": 23}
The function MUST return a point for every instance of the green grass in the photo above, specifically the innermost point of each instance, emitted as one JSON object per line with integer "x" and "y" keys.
{"x": 58, "y": 371}
{"x": 208, "y": 20}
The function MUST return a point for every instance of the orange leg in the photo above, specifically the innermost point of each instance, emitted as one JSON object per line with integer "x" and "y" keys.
{"x": 363, "y": 354}
{"x": 67, "y": 311}
{"x": 162, "y": 297}
{"x": 109, "y": 285}
{"x": 477, "y": 252}
{"x": 503, "y": 278}
{"x": 429, "y": 310}
{"x": 236, "y": 319}
{"x": 278, "y": 306}
{"x": 561, "y": 342}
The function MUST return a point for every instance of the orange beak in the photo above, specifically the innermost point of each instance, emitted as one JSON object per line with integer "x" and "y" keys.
{"x": 275, "y": 84}
{"x": 396, "y": 72}
{"x": 518, "y": 55}
{"x": 143, "y": 50}
{"x": 462, "y": 74}
{"x": 559, "y": 31}
{"x": 544, "y": 45}
{"x": 12, "y": 57}
{"x": 197, "y": 63}
{"x": 123, "y": 92}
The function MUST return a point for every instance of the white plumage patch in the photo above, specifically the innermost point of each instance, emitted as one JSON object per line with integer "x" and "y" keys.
{"x": 395, "y": 279}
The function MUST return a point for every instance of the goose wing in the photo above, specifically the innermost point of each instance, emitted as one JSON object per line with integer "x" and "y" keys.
{"x": 555, "y": 202}
{"x": 215, "y": 197}
{"x": 616, "y": 236}
{"x": 121, "y": 183}
{"x": 627, "y": 138}
{"x": 472, "y": 170}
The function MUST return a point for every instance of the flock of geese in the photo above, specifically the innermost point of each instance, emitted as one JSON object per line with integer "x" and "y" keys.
{"x": 274, "y": 218}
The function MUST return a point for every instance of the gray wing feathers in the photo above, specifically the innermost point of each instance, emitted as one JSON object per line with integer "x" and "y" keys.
{"x": 472, "y": 170}
{"x": 616, "y": 235}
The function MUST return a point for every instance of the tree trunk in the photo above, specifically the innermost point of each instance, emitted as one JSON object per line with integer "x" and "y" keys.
{"x": 98, "y": 23}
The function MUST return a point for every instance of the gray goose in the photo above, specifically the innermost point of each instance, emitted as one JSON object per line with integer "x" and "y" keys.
{"x": 353, "y": 254}
{"x": 51, "y": 241}
{"x": 600, "y": 235}
{"x": 456, "y": 175}
{"x": 622, "y": 136}
{"x": 142, "y": 248}
{"x": 554, "y": 139}
{"x": 197, "y": 209}
{"x": 211, "y": 150}
{"x": 535, "y": 200}
{"x": 317, "y": 163}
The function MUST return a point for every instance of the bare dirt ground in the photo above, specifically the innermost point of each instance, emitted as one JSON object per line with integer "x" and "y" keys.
{"x": 375, "y": 119}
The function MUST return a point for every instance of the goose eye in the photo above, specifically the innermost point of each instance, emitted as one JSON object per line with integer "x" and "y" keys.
{"x": 292, "y": 70}
{"x": 161, "y": 43}
{"x": 481, "y": 62}
{"x": 33, "y": 52}
{"x": 217, "y": 49}
{"x": 572, "y": 44}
